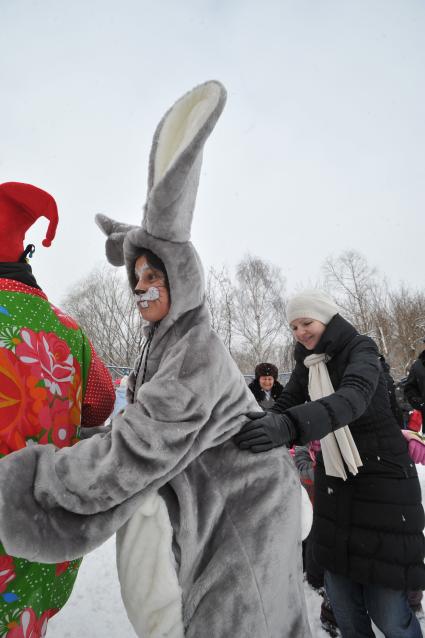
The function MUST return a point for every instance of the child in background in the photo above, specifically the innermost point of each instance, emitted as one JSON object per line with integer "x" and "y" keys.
{"x": 415, "y": 421}
{"x": 305, "y": 460}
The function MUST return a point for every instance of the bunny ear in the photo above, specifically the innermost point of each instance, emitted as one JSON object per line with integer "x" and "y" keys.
{"x": 175, "y": 161}
{"x": 115, "y": 232}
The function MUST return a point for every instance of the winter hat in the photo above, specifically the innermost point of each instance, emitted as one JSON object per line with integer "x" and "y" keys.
{"x": 266, "y": 370}
{"x": 20, "y": 206}
{"x": 312, "y": 303}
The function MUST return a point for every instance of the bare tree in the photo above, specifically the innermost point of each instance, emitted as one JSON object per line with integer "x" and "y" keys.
{"x": 362, "y": 294}
{"x": 259, "y": 307}
{"x": 394, "y": 319}
{"x": 219, "y": 295}
{"x": 103, "y": 306}
{"x": 408, "y": 326}
{"x": 354, "y": 284}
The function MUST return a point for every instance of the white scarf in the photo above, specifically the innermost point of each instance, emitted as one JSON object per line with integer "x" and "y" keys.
{"x": 337, "y": 445}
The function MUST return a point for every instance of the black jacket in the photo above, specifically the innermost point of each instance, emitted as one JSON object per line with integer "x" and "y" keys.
{"x": 368, "y": 527}
{"x": 260, "y": 395}
{"x": 414, "y": 388}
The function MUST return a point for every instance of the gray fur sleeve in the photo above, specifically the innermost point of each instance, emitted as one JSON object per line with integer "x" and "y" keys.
{"x": 64, "y": 503}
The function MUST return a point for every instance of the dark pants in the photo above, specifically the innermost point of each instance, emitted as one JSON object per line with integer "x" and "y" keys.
{"x": 313, "y": 571}
{"x": 354, "y": 605}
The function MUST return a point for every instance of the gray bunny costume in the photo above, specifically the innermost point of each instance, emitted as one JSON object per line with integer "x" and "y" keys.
{"x": 235, "y": 520}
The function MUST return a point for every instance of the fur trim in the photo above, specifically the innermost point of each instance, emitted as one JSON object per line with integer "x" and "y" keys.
{"x": 266, "y": 370}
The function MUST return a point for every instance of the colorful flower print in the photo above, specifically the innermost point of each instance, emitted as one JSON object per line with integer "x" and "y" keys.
{"x": 7, "y": 572}
{"x": 62, "y": 567}
{"x": 9, "y": 337}
{"x": 52, "y": 354}
{"x": 29, "y": 625}
{"x": 14, "y": 400}
{"x": 28, "y": 409}
{"x": 37, "y": 392}
{"x": 66, "y": 320}
{"x": 63, "y": 431}
{"x": 56, "y": 425}
{"x": 75, "y": 396}
{"x": 4, "y": 449}
{"x": 9, "y": 621}
{"x": 10, "y": 597}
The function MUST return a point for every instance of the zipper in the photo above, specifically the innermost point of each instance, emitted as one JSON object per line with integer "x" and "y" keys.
{"x": 393, "y": 464}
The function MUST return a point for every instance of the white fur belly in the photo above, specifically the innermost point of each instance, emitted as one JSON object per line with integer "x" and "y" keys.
{"x": 146, "y": 569}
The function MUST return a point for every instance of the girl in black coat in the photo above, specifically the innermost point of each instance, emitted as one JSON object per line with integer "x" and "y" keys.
{"x": 368, "y": 515}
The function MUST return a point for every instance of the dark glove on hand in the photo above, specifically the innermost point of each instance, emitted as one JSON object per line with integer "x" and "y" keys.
{"x": 265, "y": 431}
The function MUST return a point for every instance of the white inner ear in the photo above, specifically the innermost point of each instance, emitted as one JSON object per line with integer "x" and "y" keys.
{"x": 185, "y": 119}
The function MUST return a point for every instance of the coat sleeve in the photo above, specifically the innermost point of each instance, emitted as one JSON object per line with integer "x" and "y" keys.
{"x": 316, "y": 419}
{"x": 99, "y": 395}
{"x": 294, "y": 392}
{"x": 66, "y": 502}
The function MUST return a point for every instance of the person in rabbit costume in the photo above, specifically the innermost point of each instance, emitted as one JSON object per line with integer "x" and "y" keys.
{"x": 209, "y": 538}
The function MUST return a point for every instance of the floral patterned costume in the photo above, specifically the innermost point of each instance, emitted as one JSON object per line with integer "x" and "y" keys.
{"x": 51, "y": 381}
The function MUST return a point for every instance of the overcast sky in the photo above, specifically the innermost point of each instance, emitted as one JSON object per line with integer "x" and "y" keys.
{"x": 320, "y": 149}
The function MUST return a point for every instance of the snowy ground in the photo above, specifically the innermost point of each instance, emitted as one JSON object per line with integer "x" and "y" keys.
{"x": 95, "y": 608}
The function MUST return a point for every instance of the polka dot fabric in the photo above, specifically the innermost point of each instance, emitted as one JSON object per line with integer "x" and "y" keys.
{"x": 99, "y": 397}
{"x": 17, "y": 286}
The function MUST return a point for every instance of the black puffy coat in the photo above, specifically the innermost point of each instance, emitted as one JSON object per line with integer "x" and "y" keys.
{"x": 368, "y": 527}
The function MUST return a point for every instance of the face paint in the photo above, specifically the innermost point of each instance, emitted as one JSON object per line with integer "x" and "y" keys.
{"x": 142, "y": 298}
{"x": 151, "y": 290}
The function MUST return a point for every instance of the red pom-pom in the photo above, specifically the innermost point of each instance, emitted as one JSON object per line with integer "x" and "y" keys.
{"x": 46, "y": 243}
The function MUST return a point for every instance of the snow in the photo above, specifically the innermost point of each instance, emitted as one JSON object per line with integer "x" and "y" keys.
{"x": 95, "y": 608}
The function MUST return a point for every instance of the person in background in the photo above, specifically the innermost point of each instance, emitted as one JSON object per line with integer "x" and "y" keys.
{"x": 414, "y": 388}
{"x": 415, "y": 421}
{"x": 391, "y": 390}
{"x": 367, "y": 496}
{"x": 305, "y": 461}
{"x": 416, "y": 444}
{"x": 403, "y": 404}
{"x": 266, "y": 387}
{"x": 51, "y": 381}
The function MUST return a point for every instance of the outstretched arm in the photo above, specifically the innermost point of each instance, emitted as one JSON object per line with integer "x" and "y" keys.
{"x": 289, "y": 423}
{"x": 56, "y": 505}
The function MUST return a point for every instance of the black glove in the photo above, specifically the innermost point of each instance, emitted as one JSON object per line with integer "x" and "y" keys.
{"x": 265, "y": 431}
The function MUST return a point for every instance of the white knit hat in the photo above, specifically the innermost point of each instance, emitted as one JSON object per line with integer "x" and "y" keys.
{"x": 312, "y": 303}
